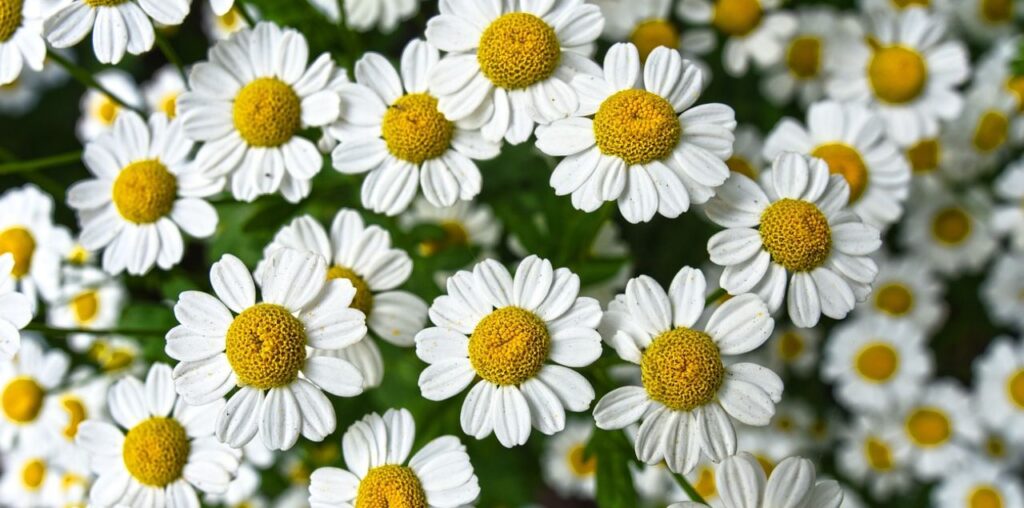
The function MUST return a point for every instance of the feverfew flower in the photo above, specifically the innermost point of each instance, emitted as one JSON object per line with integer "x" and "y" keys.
{"x": 869, "y": 453}
{"x": 742, "y": 483}
{"x": 100, "y": 111}
{"x": 999, "y": 387}
{"x": 648, "y": 25}
{"x": 566, "y": 466}
{"x": 906, "y": 290}
{"x": 116, "y": 25}
{"x": 1008, "y": 212}
{"x": 35, "y": 243}
{"x": 1003, "y": 291}
{"x": 365, "y": 15}
{"x": 952, "y": 233}
{"x": 980, "y": 486}
{"x": 26, "y": 383}
{"x": 755, "y": 30}
{"x": 163, "y": 90}
{"x": 938, "y": 428}
{"x": 21, "y": 40}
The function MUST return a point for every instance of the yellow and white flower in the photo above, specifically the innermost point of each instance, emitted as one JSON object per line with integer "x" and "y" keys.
{"x": 908, "y": 70}
{"x": 100, "y": 111}
{"x": 88, "y": 298}
{"x": 504, "y": 330}
{"x": 1003, "y": 291}
{"x": 987, "y": 20}
{"x": 869, "y": 453}
{"x": 993, "y": 445}
{"x": 263, "y": 348}
{"x": 391, "y": 128}
{"x": 35, "y": 243}
{"x": 999, "y": 387}
{"x": 851, "y": 140}
{"x": 747, "y": 152}
{"x": 906, "y": 290}
{"x": 895, "y": 7}
{"x": 768, "y": 446}
{"x": 116, "y": 25}
{"x": 996, "y": 67}
{"x": 220, "y": 26}
{"x": 165, "y": 452}
{"x": 566, "y": 467}
{"x": 145, "y": 190}
{"x": 979, "y": 138}
{"x": 15, "y": 310}
{"x": 648, "y": 147}
{"x": 1008, "y": 213}
{"x": 794, "y": 225}
{"x": 249, "y": 102}
{"x": 937, "y": 429}
{"x": 755, "y": 30}
{"x": 509, "y": 63}
{"x": 951, "y": 233}
{"x": 648, "y": 25}
{"x": 30, "y": 479}
{"x": 21, "y": 39}
{"x": 684, "y": 412}
{"x": 26, "y": 383}
{"x": 366, "y": 15}
{"x": 376, "y": 448}
{"x": 463, "y": 224}
{"x": 163, "y": 90}
{"x": 86, "y": 399}
{"x": 793, "y": 348}
{"x": 976, "y": 487}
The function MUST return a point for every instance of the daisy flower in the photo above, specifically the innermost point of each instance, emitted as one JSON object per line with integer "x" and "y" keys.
{"x": 365, "y": 15}
{"x": 116, "y": 25}
{"x": 376, "y": 449}
{"x": 648, "y": 25}
{"x": 163, "y": 90}
{"x": 997, "y": 67}
{"x": 742, "y": 482}
{"x": 906, "y": 69}
{"x": 509, "y": 63}
{"x": 755, "y": 30}
{"x": 987, "y": 20}
{"x": 165, "y": 451}
{"x": 876, "y": 363}
{"x": 793, "y": 348}
{"x": 1003, "y": 291}
{"x": 684, "y": 411}
{"x": 993, "y": 445}
{"x": 89, "y": 298}
{"x": 248, "y": 104}
{"x": 977, "y": 487}
{"x": 869, "y": 453}
{"x": 26, "y": 382}
{"x": 747, "y": 152}
{"x": 30, "y": 480}
{"x": 999, "y": 386}
{"x": 262, "y": 348}
{"x": 220, "y": 26}
{"x": 794, "y": 224}
{"x": 15, "y": 309}
{"x": 937, "y": 429}
{"x": 85, "y": 399}
{"x": 702, "y": 479}
{"x": 21, "y": 39}
{"x": 504, "y": 329}
{"x": 565, "y": 466}
{"x": 35, "y": 243}
{"x": 100, "y": 111}
{"x": 391, "y": 127}
{"x": 640, "y": 142}
{"x": 979, "y": 137}
{"x": 906, "y": 290}
{"x": 363, "y": 256}
{"x": 144, "y": 192}
{"x": 1008, "y": 214}
{"x": 951, "y": 233}
{"x": 464, "y": 224}
{"x": 851, "y": 140}
{"x": 768, "y": 446}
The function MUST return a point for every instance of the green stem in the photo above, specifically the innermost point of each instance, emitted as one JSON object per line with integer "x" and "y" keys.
{"x": 690, "y": 491}
{"x": 85, "y": 77}
{"x": 170, "y": 54}
{"x": 61, "y": 332}
{"x": 353, "y": 51}
{"x": 64, "y": 159}
{"x": 714, "y": 296}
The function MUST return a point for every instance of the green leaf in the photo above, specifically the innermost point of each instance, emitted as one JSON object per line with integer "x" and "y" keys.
{"x": 614, "y": 479}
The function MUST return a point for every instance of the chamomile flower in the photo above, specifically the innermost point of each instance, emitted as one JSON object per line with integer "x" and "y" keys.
{"x": 509, "y": 64}
{"x": 463, "y": 224}
{"x": 996, "y": 67}
{"x": 808, "y": 57}
{"x": 767, "y": 446}
{"x": 220, "y": 26}
{"x": 793, "y": 348}
{"x": 987, "y": 20}
{"x": 937, "y": 428}
{"x": 747, "y": 152}
{"x": 851, "y": 140}
{"x": 876, "y": 363}
{"x": 21, "y": 39}
{"x": 100, "y": 111}
{"x": 90, "y": 299}
{"x": 144, "y": 192}
{"x": 163, "y": 90}
{"x": 86, "y": 399}
{"x": 793, "y": 225}
{"x": 566, "y": 466}
{"x": 30, "y": 479}
{"x": 161, "y": 449}
{"x": 1003, "y": 291}
{"x": 869, "y": 453}
{"x": 645, "y": 146}
{"x": 686, "y": 411}
{"x": 906, "y": 69}
{"x": 15, "y": 310}
{"x": 1008, "y": 213}
{"x": 26, "y": 382}
{"x": 755, "y": 30}
{"x": 702, "y": 479}
{"x": 999, "y": 386}
{"x": 978, "y": 487}
{"x": 366, "y": 15}
{"x": 504, "y": 330}
{"x": 391, "y": 128}
{"x": 906, "y": 290}
{"x": 376, "y": 449}
{"x": 28, "y": 234}
{"x": 648, "y": 25}
{"x": 116, "y": 25}
{"x": 742, "y": 482}
{"x": 249, "y": 111}
{"x": 951, "y": 233}
{"x": 993, "y": 445}
{"x": 979, "y": 137}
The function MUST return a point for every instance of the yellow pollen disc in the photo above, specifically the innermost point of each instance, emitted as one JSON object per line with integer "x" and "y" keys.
{"x": 985, "y": 497}
{"x": 738, "y": 164}
{"x": 229, "y": 20}
{"x": 991, "y": 131}
{"x": 579, "y": 463}
{"x": 877, "y": 362}
{"x": 169, "y": 105}
{"x": 21, "y": 244}
{"x": 414, "y": 130}
{"x": 653, "y": 34}
{"x": 803, "y": 58}
{"x": 104, "y": 3}
{"x": 796, "y": 234}
{"x": 951, "y": 226}
{"x": 845, "y": 160}
{"x": 454, "y": 235}
{"x": 69, "y": 481}
{"x": 682, "y": 369}
{"x": 509, "y": 346}
{"x": 106, "y": 110}
{"x": 85, "y": 306}
{"x": 1015, "y": 388}
{"x": 155, "y": 451}
{"x": 705, "y": 484}
{"x": 785, "y": 424}
{"x": 791, "y": 346}
{"x": 928, "y": 427}
{"x": 266, "y": 346}
{"x": 390, "y": 486}
{"x": 22, "y": 399}
{"x": 995, "y": 447}
{"x": 32, "y": 474}
{"x": 10, "y": 18}
{"x": 78, "y": 255}
{"x": 637, "y": 126}
{"x": 903, "y": 4}
{"x": 894, "y": 299}
{"x": 76, "y": 414}
{"x": 897, "y": 74}
{"x": 878, "y": 454}
{"x": 517, "y": 50}
{"x": 737, "y": 17}
{"x": 364, "y": 297}
{"x": 1016, "y": 87}
{"x": 267, "y": 112}
{"x": 145, "y": 191}
{"x": 996, "y": 11}
{"x": 110, "y": 358}
{"x": 924, "y": 156}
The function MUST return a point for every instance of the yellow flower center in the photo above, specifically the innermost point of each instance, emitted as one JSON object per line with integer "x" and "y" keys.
{"x": 682, "y": 369}
{"x": 266, "y": 346}
{"x": 995, "y": 447}
{"x": 924, "y": 156}
{"x": 929, "y": 427}
{"x": 636, "y": 126}
{"x": 104, "y": 3}
{"x": 1015, "y": 388}
{"x": 364, "y": 297}
{"x": 110, "y": 357}
{"x": 21, "y": 244}
{"x": 229, "y": 21}
{"x": 169, "y": 104}
{"x": 85, "y": 306}
{"x": 267, "y": 112}
{"x": 705, "y": 484}
{"x": 737, "y": 17}
{"x": 991, "y": 131}
{"x": 996, "y": 11}
{"x": 517, "y": 50}
{"x": 78, "y": 255}
{"x": 845, "y": 160}
{"x": 22, "y": 399}
{"x": 509, "y": 346}
{"x": 106, "y": 110}
{"x": 951, "y": 226}
{"x": 10, "y": 18}
{"x": 894, "y": 299}
{"x": 985, "y": 496}
{"x": 390, "y": 486}
{"x": 796, "y": 234}
{"x": 653, "y": 34}
{"x": 156, "y": 450}
{"x": 804, "y": 57}
{"x": 877, "y": 362}
{"x": 145, "y": 191}
{"x": 897, "y": 74}
{"x": 69, "y": 481}
{"x": 414, "y": 130}
{"x": 878, "y": 454}
{"x": 790, "y": 346}
{"x": 77, "y": 414}
{"x": 1015, "y": 85}
{"x": 903, "y": 4}
{"x": 580, "y": 464}
{"x": 453, "y": 235}
{"x": 32, "y": 474}
{"x": 740, "y": 165}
